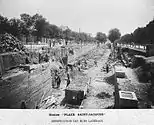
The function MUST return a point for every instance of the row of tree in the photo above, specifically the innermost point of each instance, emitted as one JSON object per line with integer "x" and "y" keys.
{"x": 113, "y": 35}
{"x": 38, "y": 26}
{"x": 140, "y": 36}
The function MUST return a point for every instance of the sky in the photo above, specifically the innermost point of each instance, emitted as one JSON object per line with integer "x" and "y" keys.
{"x": 91, "y": 16}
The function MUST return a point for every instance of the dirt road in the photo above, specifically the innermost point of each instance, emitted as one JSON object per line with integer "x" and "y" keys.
{"x": 100, "y": 93}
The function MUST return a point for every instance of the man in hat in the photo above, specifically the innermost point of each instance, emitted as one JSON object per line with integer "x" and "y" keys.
{"x": 57, "y": 79}
{"x": 68, "y": 80}
{"x": 107, "y": 68}
{"x": 95, "y": 62}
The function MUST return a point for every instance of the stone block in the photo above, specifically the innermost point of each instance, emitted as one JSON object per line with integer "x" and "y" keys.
{"x": 127, "y": 100}
{"x": 120, "y": 74}
{"x": 74, "y": 97}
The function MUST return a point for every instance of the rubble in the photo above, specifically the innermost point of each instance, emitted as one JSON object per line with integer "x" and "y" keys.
{"x": 103, "y": 95}
{"x": 48, "y": 102}
{"x": 9, "y": 43}
{"x": 78, "y": 83}
{"x": 90, "y": 57}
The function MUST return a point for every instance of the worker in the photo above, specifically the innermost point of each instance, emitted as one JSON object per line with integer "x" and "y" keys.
{"x": 53, "y": 43}
{"x": 79, "y": 65}
{"x": 107, "y": 68}
{"x": 70, "y": 66}
{"x": 39, "y": 58}
{"x": 52, "y": 76}
{"x": 50, "y": 43}
{"x": 66, "y": 69}
{"x": 27, "y": 60}
{"x": 68, "y": 80}
{"x": 95, "y": 62}
{"x": 23, "y": 105}
{"x": 46, "y": 58}
{"x": 85, "y": 63}
{"x": 57, "y": 79}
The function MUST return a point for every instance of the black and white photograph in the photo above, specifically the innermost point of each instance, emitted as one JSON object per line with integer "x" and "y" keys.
{"x": 76, "y": 54}
{"x": 76, "y": 61}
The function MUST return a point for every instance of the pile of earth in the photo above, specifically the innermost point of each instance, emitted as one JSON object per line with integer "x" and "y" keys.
{"x": 9, "y": 43}
{"x": 103, "y": 95}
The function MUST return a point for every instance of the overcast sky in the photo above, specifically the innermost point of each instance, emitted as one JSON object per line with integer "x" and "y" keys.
{"x": 90, "y": 16}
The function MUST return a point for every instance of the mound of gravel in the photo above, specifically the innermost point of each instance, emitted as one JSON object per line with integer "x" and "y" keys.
{"x": 9, "y": 43}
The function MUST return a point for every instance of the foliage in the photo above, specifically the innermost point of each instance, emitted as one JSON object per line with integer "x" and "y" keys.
{"x": 101, "y": 37}
{"x": 114, "y": 34}
{"x": 127, "y": 39}
{"x": 4, "y": 26}
{"x": 144, "y": 35}
{"x": 37, "y": 25}
{"x": 16, "y": 26}
{"x": 141, "y": 35}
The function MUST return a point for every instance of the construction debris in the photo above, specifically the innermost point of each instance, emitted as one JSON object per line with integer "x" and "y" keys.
{"x": 103, "y": 95}
{"x": 9, "y": 43}
{"x": 49, "y": 102}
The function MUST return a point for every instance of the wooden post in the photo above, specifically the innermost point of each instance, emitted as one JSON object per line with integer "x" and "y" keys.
{"x": 115, "y": 84}
{"x": 116, "y": 90}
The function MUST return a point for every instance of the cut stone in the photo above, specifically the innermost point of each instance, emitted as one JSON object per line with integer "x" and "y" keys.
{"x": 127, "y": 99}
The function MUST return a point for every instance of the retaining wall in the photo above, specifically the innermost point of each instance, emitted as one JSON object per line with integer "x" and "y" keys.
{"x": 10, "y": 60}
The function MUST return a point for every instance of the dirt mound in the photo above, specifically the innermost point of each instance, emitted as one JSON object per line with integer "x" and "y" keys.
{"x": 103, "y": 95}
{"x": 9, "y": 43}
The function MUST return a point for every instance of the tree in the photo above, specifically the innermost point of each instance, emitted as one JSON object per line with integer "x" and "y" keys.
{"x": 101, "y": 37}
{"x": 28, "y": 25}
{"x": 27, "y": 19}
{"x": 4, "y": 25}
{"x": 126, "y": 39}
{"x": 114, "y": 34}
{"x": 66, "y": 34}
{"x": 150, "y": 31}
{"x": 140, "y": 36}
{"x": 40, "y": 27}
{"x": 144, "y": 35}
{"x": 54, "y": 31}
{"x": 16, "y": 27}
{"x": 75, "y": 36}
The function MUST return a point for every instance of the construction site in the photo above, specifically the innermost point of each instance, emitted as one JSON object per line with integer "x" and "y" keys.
{"x": 76, "y": 76}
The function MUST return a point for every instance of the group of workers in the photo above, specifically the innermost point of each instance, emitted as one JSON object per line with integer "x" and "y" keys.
{"x": 56, "y": 79}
